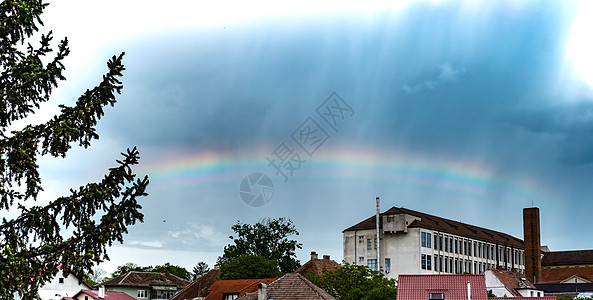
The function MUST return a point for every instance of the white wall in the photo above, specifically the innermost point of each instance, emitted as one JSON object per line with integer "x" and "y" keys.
{"x": 54, "y": 290}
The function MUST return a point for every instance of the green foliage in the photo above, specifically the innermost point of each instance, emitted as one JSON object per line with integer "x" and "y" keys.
{"x": 355, "y": 282}
{"x": 491, "y": 293}
{"x": 268, "y": 238}
{"x": 166, "y": 268}
{"x": 250, "y": 267}
{"x": 200, "y": 269}
{"x": 33, "y": 248}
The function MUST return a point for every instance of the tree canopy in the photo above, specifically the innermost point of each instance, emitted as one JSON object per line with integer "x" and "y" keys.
{"x": 33, "y": 245}
{"x": 355, "y": 282}
{"x": 250, "y": 267}
{"x": 269, "y": 238}
{"x": 166, "y": 268}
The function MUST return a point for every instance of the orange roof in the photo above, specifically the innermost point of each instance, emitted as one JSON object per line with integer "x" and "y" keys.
{"x": 558, "y": 274}
{"x": 317, "y": 266}
{"x": 235, "y": 286}
{"x": 292, "y": 286}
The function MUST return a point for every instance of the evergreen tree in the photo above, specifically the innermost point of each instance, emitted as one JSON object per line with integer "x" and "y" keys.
{"x": 33, "y": 246}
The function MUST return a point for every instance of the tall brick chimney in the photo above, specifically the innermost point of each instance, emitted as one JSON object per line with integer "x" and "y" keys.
{"x": 531, "y": 237}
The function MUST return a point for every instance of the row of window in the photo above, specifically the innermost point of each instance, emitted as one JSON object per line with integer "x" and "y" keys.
{"x": 452, "y": 265}
{"x": 467, "y": 247}
{"x": 156, "y": 294}
{"x": 372, "y": 264}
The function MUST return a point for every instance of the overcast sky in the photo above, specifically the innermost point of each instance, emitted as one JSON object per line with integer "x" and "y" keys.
{"x": 469, "y": 110}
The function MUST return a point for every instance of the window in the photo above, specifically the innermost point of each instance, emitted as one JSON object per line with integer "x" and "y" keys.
{"x": 388, "y": 264}
{"x": 436, "y": 263}
{"x": 435, "y": 242}
{"x": 375, "y": 241}
{"x": 451, "y": 244}
{"x": 436, "y": 296}
{"x": 446, "y": 264}
{"x": 369, "y": 244}
{"x": 428, "y": 262}
{"x": 361, "y": 259}
{"x": 428, "y": 240}
{"x": 231, "y": 296}
{"x": 441, "y": 243}
{"x": 465, "y": 247}
{"x": 61, "y": 280}
{"x": 423, "y": 261}
{"x": 423, "y": 239}
{"x": 446, "y": 244}
{"x": 142, "y": 294}
{"x": 456, "y": 250}
{"x": 372, "y": 264}
{"x": 361, "y": 239}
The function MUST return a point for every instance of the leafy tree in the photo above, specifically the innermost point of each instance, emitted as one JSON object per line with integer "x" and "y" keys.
{"x": 33, "y": 246}
{"x": 200, "y": 269}
{"x": 173, "y": 269}
{"x": 250, "y": 267}
{"x": 95, "y": 277}
{"x": 166, "y": 268}
{"x": 491, "y": 293}
{"x": 268, "y": 238}
{"x": 354, "y": 282}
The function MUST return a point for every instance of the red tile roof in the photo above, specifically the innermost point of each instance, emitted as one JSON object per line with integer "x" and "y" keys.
{"x": 559, "y": 274}
{"x": 235, "y": 286}
{"x": 109, "y": 295}
{"x": 317, "y": 266}
{"x": 292, "y": 286}
{"x": 198, "y": 287}
{"x": 567, "y": 258}
{"x": 526, "y": 298}
{"x": 512, "y": 280}
{"x": 443, "y": 225}
{"x": 418, "y": 287}
{"x": 146, "y": 279}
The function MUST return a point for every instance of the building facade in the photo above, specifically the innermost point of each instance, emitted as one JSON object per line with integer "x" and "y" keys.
{"x": 412, "y": 242}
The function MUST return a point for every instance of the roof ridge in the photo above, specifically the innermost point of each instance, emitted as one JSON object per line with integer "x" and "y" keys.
{"x": 311, "y": 285}
{"x": 125, "y": 276}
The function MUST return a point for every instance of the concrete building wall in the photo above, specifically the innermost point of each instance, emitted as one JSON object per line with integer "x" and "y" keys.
{"x": 405, "y": 251}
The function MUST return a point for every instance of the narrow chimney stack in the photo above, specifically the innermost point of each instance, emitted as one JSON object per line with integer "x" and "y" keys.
{"x": 532, "y": 244}
{"x": 469, "y": 291}
{"x": 313, "y": 255}
{"x": 102, "y": 291}
{"x": 326, "y": 257}
{"x": 262, "y": 292}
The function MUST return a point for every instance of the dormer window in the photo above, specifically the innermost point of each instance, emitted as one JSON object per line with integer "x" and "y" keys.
{"x": 436, "y": 296}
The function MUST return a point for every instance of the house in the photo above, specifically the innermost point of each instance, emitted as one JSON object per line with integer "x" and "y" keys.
{"x": 457, "y": 287}
{"x": 62, "y": 285}
{"x": 146, "y": 285}
{"x": 452, "y": 287}
{"x": 506, "y": 283}
{"x": 317, "y": 266}
{"x": 412, "y": 242}
{"x": 100, "y": 294}
{"x": 566, "y": 289}
{"x": 291, "y": 286}
{"x": 198, "y": 289}
{"x": 567, "y": 267}
{"x": 232, "y": 289}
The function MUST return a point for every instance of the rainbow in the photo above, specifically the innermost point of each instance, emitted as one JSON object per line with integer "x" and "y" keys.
{"x": 209, "y": 169}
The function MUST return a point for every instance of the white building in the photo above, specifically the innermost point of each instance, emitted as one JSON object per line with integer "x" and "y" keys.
{"x": 412, "y": 242}
{"x": 62, "y": 286}
{"x": 505, "y": 283}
